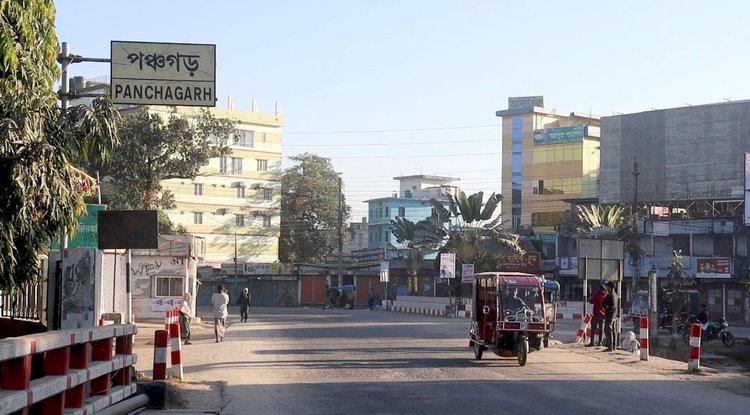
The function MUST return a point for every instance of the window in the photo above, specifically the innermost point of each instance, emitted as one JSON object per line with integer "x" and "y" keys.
{"x": 169, "y": 286}
{"x": 548, "y": 219}
{"x": 239, "y": 220}
{"x": 387, "y": 236}
{"x": 197, "y": 218}
{"x": 266, "y": 221}
{"x": 241, "y": 192}
{"x": 236, "y": 165}
{"x": 243, "y": 138}
{"x": 402, "y": 211}
{"x": 262, "y": 165}
{"x": 198, "y": 189}
{"x": 723, "y": 245}
{"x": 387, "y": 212}
{"x": 267, "y": 194}
{"x": 222, "y": 165}
{"x": 681, "y": 243}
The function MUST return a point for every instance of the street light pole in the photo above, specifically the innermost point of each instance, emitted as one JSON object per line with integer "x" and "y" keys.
{"x": 235, "y": 260}
{"x": 341, "y": 236}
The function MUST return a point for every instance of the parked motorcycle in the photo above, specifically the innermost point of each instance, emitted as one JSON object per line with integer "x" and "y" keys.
{"x": 717, "y": 329}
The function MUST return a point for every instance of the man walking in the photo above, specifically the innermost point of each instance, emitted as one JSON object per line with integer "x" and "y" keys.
{"x": 610, "y": 314}
{"x": 598, "y": 315}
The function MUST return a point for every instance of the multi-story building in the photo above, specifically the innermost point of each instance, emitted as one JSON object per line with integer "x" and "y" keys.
{"x": 411, "y": 202}
{"x": 684, "y": 170}
{"x": 234, "y": 201}
{"x": 548, "y": 157}
{"x": 358, "y": 236}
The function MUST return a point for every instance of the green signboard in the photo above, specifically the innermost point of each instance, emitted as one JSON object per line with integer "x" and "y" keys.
{"x": 87, "y": 231}
{"x": 560, "y": 135}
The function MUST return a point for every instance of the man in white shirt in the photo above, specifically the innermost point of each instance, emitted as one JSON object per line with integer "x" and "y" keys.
{"x": 220, "y": 301}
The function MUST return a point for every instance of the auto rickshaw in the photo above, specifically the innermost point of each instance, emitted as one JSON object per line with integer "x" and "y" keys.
{"x": 509, "y": 316}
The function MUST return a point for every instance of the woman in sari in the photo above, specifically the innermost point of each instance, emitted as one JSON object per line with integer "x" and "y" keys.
{"x": 186, "y": 314}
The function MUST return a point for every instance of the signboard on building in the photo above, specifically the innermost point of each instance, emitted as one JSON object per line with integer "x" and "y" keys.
{"x": 385, "y": 267}
{"x": 715, "y": 267}
{"x": 525, "y": 102}
{"x": 560, "y": 135}
{"x": 150, "y": 73}
{"x": 747, "y": 188}
{"x": 262, "y": 269}
{"x": 372, "y": 257}
{"x": 527, "y": 262}
{"x": 447, "y": 265}
{"x": 568, "y": 265}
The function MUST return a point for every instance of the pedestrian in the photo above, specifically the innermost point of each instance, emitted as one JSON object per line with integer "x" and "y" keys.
{"x": 186, "y": 314}
{"x": 598, "y": 314}
{"x": 610, "y": 313}
{"x": 244, "y": 302}
{"x": 220, "y": 301}
{"x": 370, "y": 301}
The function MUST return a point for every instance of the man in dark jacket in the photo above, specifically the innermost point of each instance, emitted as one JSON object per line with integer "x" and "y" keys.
{"x": 610, "y": 314}
{"x": 598, "y": 314}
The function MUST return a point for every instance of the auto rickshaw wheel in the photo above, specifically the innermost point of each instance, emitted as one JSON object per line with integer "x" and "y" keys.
{"x": 478, "y": 350}
{"x": 523, "y": 351}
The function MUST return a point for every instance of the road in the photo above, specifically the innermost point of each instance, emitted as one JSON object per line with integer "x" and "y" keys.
{"x": 312, "y": 361}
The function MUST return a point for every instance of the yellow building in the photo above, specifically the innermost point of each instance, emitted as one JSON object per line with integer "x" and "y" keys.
{"x": 548, "y": 156}
{"x": 234, "y": 201}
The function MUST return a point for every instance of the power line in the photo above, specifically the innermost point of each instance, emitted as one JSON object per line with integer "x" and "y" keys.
{"x": 394, "y": 144}
{"x": 389, "y": 131}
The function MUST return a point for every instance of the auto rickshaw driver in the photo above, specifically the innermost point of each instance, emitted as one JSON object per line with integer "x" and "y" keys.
{"x": 513, "y": 303}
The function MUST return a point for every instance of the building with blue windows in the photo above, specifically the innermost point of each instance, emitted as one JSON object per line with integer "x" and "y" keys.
{"x": 412, "y": 201}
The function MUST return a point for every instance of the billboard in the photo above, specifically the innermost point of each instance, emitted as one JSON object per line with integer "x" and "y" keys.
{"x": 87, "y": 230}
{"x": 513, "y": 262}
{"x": 467, "y": 273}
{"x": 714, "y": 267}
{"x": 150, "y": 73}
{"x": 447, "y": 265}
{"x": 128, "y": 229}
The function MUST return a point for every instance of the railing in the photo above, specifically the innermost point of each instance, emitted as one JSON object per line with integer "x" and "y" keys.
{"x": 78, "y": 371}
{"x": 27, "y": 303}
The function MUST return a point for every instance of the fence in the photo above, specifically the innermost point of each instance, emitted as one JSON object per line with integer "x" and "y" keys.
{"x": 70, "y": 371}
{"x": 27, "y": 303}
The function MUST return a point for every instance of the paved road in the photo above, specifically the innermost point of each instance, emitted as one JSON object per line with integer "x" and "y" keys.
{"x": 312, "y": 361}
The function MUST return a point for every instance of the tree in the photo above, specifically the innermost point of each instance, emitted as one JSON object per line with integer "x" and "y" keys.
{"x": 310, "y": 210}
{"x": 156, "y": 148}
{"x": 676, "y": 288}
{"x": 41, "y": 191}
{"x": 417, "y": 238}
{"x": 468, "y": 224}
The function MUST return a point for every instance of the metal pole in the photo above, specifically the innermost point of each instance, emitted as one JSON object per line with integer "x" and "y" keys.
{"x": 585, "y": 285}
{"x": 64, "y": 60}
{"x": 129, "y": 311}
{"x": 235, "y": 262}
{"x": 341, "y": 236}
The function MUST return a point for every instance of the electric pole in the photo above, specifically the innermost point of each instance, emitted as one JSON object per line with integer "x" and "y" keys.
{"x": 341, "y": 236}
{"x": 636, "y": 255}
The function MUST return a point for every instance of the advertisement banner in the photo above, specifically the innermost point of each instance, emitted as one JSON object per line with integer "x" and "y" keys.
{"x": 447, "y": 265}
{"x": 467, "y": 273}
{"x": 715, "y": 267}
{"x": 560, "y": 135}
{"x": 384, "y": 271}
{"x": 568, "y": 265}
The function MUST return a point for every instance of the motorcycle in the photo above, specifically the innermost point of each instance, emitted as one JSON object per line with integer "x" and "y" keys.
{"x": 717, "y": 329}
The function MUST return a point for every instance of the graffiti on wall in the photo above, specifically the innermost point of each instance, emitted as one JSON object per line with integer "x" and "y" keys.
{"x": 78, "y": 289}
{"x": 143, "y": 270}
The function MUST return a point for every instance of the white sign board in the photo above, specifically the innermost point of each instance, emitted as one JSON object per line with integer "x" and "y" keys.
{"x": 384, "y": 271}
{"x": 447, "y": 265}
{"x": 148, "y": 73}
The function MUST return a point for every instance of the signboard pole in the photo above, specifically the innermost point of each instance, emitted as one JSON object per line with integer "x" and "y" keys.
{"x": 129, "y": 310}
{"x": 585, "y": 287}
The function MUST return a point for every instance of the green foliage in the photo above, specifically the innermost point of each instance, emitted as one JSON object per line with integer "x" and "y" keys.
{"x": 156, "y": 148}
{"x": 605, "y": 222}
{"x": 677, "y": 286}
{"x": 310, "y": 210}
{"x": 41, "y": 191}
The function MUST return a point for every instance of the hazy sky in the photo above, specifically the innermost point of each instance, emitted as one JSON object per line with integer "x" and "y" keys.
{"x": 389, "y": 88}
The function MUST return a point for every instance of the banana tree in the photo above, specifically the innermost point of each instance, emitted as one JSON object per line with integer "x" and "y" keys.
{"x": 417, "y": 238}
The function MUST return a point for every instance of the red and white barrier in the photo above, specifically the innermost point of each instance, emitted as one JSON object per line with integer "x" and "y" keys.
{"x": 171, "y": 316}
{"x": 79, "y": 371}
{"x": 643, "y": 338}
{"x": 420, "y": 310}
{"x": 160, "y": 354}
{"x": 694, "y": 363}
{"x": 585, "y": 324}
{"x": 176, "y": 352}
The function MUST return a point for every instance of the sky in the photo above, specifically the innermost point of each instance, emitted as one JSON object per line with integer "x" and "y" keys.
{"x": 393, "y": 88}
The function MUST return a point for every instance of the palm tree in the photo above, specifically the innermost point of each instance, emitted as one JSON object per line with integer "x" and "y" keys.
{"x": 417, "y": 238}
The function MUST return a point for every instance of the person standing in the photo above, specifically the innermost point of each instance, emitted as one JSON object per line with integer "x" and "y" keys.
{"x": 220, "y": 301}
{"x": 610, "y": 313}
{"x": 186, "y": 314}
{"x": 598, "y": 314}
{"x": 244, "y": 302}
